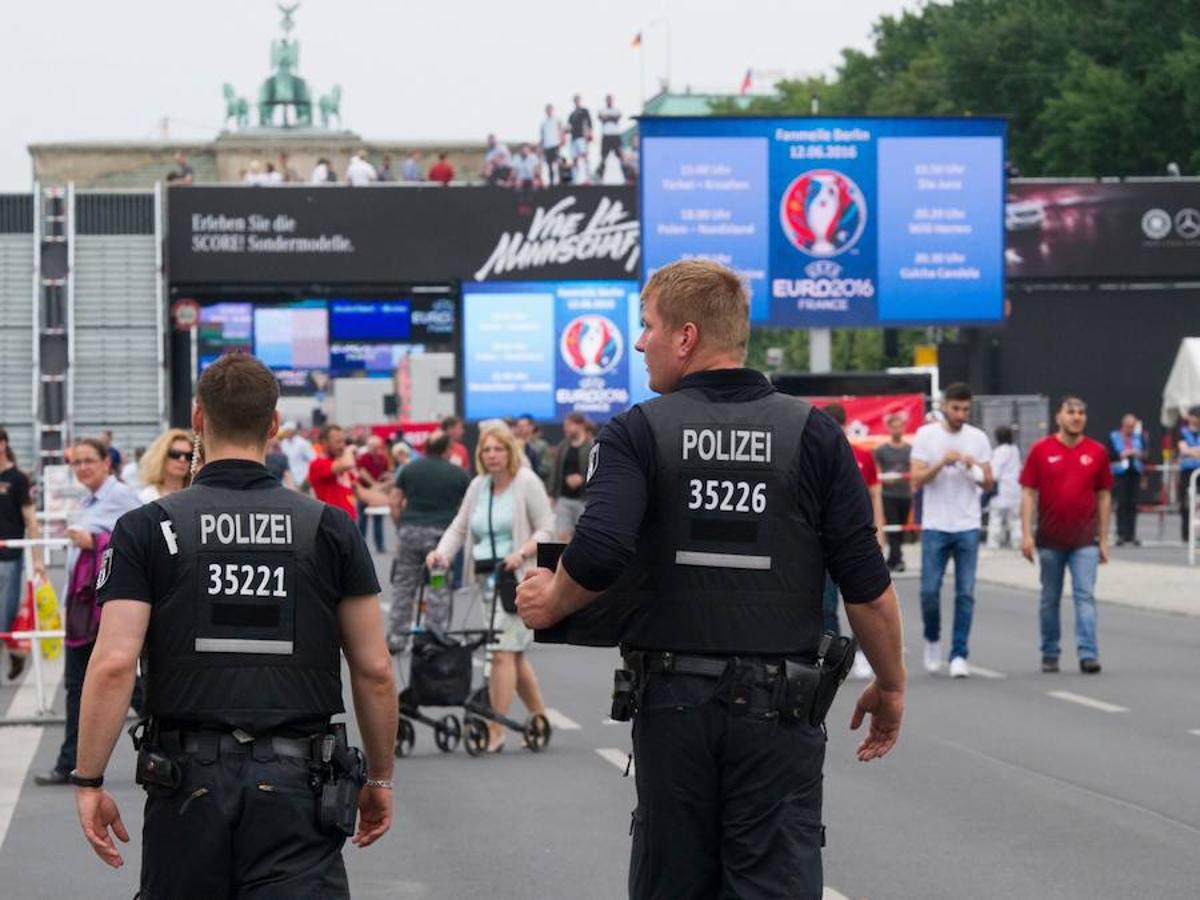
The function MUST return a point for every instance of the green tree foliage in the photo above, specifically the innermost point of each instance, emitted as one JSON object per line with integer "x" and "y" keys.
{"x": 1092, "y": 87}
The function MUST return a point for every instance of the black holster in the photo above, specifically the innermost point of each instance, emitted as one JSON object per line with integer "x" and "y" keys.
{"x": 817, "y": 685}
{"x": 342, "y": 771}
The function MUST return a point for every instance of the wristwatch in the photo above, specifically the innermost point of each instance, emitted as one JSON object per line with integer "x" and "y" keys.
{"x": 79, "y": 781}
{"x": 385, "y": 783}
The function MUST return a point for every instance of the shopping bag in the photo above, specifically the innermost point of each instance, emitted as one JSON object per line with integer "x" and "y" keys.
{"x": 48, "y": 618}
{"x": 23, "y": 621}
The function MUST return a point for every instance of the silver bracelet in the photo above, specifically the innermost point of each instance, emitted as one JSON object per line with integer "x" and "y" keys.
{"x": 385, "y": 783}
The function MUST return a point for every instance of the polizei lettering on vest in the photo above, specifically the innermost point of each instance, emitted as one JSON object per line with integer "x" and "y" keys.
{"x": 727, "y": 444}
{"x": 246, "y": 529}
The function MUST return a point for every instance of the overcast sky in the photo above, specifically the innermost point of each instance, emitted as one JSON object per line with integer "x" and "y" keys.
{"x": 78, "y": 70}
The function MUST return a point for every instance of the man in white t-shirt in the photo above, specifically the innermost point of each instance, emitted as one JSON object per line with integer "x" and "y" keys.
{"x": 951, "y": 465}
{"x": 298, "y": 450}
{"x": 360, "y": 173}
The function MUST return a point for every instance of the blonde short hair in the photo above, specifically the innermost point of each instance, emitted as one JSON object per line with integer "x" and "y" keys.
{"x": 504, "y": 435}
{"x": 707, "y": 294}
{"x": 152, "y": 468}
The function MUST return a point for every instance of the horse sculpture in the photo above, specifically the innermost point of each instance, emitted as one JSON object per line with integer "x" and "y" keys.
{"x": 331, "y": 105}
{"x": 236, "y": 108}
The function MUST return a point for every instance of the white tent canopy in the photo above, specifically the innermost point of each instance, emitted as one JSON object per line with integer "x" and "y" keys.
{"x": 1183, "y": 384}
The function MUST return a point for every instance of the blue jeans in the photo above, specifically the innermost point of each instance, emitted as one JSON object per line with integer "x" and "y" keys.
{"x": 936, "y": 549}
{"x": 1083, "y": 563}
{"x": 11, "y": 584}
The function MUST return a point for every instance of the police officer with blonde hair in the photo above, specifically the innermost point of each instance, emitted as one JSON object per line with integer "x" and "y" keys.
{"x": 243, "y": 596}
{"x": 712, "y": 515}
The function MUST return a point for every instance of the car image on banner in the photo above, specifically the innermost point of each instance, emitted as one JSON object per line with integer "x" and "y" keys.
{"x": 551, "y": 348}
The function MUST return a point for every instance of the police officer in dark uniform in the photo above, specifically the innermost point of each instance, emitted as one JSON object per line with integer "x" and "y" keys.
{"x": 713, "y": 513}
{"x": 238, "y": 595}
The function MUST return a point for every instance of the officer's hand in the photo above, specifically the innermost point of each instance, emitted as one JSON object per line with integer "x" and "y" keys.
{"x": 886, "y": 708}
{"x": 374, "y": 815}
{"x": 98, "y": 811}
{"x": 535, "y": 603}
{"x": 1027, "y": 547}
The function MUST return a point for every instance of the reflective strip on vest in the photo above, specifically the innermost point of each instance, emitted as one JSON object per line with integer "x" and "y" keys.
{"x": 243, "y": 645}
{"x": 721, "y": 560}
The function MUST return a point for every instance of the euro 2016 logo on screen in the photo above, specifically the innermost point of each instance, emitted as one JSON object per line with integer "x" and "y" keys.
{"x": 823, "y": 213}
{"x": 591, "y": 345}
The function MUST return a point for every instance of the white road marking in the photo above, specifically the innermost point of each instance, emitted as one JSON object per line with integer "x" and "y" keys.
{"x": 619, "y": 758}
{"x": 25, "y": 702}
{"x": 986, "y": 673}
{"x": 561, "y": 722}
{"x": 832, "y": 894}
{"x": 20, "y": 744}
{"x": 1195, "y": 731}
{"x": 1087, "y": 701}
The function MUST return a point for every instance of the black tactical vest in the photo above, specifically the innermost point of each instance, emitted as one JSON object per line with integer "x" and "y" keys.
{"x": 243, "y": 639}
{"x": 726, "y": 562}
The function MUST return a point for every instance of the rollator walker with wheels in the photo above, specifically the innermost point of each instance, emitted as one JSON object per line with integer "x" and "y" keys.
{"x": 439, "y": 675}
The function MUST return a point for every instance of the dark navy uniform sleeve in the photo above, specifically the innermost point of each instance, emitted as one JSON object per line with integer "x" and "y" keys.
{"x": 349, "y": 564}
{"x": 130, "y": 567}
{"x": 618, "y": 491}
{"x": 832, "y": 486}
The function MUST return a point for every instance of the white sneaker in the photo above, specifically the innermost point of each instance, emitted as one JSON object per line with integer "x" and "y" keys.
{"x": 959, "y": 668}
{"x": 933, "y": 656}
{"x": 862, "y": 670}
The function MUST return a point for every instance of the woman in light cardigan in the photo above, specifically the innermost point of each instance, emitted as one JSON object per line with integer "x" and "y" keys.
{"x": 520, "y": 518}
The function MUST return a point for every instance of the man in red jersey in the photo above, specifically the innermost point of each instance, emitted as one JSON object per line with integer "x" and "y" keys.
{"x": 1067, "y": 475}
{"x": 334, "y": 474}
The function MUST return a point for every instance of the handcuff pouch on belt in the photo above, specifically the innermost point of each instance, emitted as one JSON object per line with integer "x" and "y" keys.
{"x": 153, "y": 765}
{"x": 625, "y": 694}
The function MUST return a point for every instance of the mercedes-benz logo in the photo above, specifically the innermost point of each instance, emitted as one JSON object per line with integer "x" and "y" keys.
{"x": 1187, "y": 223}
{"x": 1156, "y": 224}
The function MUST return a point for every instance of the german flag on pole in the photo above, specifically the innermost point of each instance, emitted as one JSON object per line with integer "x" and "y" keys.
{"x": 636, "y": 43}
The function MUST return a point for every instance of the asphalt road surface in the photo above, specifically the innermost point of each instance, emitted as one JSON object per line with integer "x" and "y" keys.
{"x": 1008, "y": 784}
